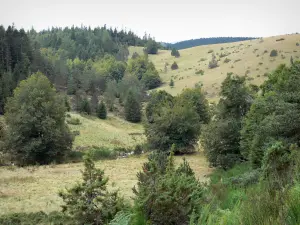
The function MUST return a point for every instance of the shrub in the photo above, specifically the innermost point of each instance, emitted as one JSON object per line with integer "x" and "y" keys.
{"x": 151, "y": 79}
{"x": 297, "y": 44}
{"x": 203, "y": 59}
{"x": 100, "y": 153}
{"x": 273, "y": 53}
{"x": 73, "y": 121}
{"x": 156, "y": 192}
{"x": 85, "y": 106}
{"x": 171, "y": 84}
{"x": 138, "y": 150}
{"x": 237, "y": 60}
{"x": 213, "y": 63}
{"x": 35, "y": 115}
{"x": 135, "y": 55}
{"x": 151, "y": 47}
{"x": 175, "y": 53}
{"x": 101, "y": 111}
{"x": 280, "y": 39}
{"x": 210, "y": 51}
{"x": 174, "y": 66}
{"x": 201, "y": 72}
{"x": 227, "y": 60}
{"x": 89, "y": 202}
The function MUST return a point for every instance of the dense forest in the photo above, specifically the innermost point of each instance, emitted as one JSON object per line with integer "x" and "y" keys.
{"x": 206, "y": 41}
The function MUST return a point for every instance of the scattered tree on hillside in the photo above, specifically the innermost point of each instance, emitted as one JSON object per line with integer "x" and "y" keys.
{"x": 89, "y": 202}
{"x": 175, "y": 121}
{"x": 273, "y": 53}
{"x": 151, "y": 47}
{"x": 213, "y": 63}
{"x": 132, "y": 108}
{"x": 101, "y": 111}
{"x": 174, "y": 66}
{"x": 35, "y": 116}
{"x": 175, "y": 53}
{"x": 85, "y": 106}
{"x": 171, "y": 84}
{"x": 221, "y": 137}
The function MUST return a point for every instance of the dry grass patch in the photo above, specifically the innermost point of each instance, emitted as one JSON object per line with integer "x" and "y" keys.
{"x": 25, "y": 191}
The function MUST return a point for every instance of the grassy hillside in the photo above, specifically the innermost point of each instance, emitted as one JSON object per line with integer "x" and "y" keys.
{"x": 32, "y": 189}
{"x": 247, "y": 58}
{"x": 112, "y": 132}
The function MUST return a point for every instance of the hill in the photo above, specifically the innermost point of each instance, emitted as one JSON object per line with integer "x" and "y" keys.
{"x": 247, "y": 58}
{"x": 206, "y": 41}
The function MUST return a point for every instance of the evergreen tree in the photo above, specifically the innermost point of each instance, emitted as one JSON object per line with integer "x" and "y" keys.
{"x": 171, "y": 84}
{"x": 85, "y": 106}
{"x": 132, "y": 108}
{"x": 89, "y": 202}
{"x": 175, "y": 53}
{"x": 35, "y": 116}
{"x": 101, "y": 111}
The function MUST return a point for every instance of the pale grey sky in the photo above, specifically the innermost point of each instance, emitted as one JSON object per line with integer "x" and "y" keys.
{"x": 166, "y": 20}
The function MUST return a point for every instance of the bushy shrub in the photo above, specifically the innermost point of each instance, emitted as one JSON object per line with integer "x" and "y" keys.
{"x": 89, "y": 202}
{"x": 101, "y": 111}
{"x": 213, "y": 63}
{"x": 273, "y": 53}
{"x": 171, "y": 84}
{"x": 227, "y": 60}
{"x": 100, "y": 153}
{"x": 175, "y": 53}
{"x": 210, "y": 51}
{"x": 201, "y": 72}
{"x": 156, "y": 192}
{"x": 174, "y": 66}
{"x": 85, "y": 106}
{"x": 138, "y": 150}
{"x": 73, "y": 121}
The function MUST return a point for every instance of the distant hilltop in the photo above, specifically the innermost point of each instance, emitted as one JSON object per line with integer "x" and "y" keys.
{"x": 205, "y": 41}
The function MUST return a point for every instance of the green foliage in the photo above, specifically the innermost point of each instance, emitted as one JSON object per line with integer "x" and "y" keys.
{"x": 145, "y": 71}
{"x": 157, "y": 100}
{"x": 89, "y": 202}
{"x": 273, "y": 53}
{"x": 101, "y": 111}
{"x": 122, "y": 218}
{"x": 132, "y": 108}
{"x": 73, "y": 121}
{"x": 135, "y": 55}
{"x": 227, "y": 60}
{"x": 177, "y": 193}
{"x": 101, "y": 153}
{"x": 171, "y": 84}
{"x": 151, "y": 47}
{"x": 35, "y": 116}
{"x": 178, "y": 124}
{"x": 36, "y": 218}
{"x": 85, "y": 106}
{"x": 175, "y": 53}
{"x": 174, "y": 66}
{"x": 201, "y": 72}
{"x": 221, "y": 137}
{"x": 274, "y": 115}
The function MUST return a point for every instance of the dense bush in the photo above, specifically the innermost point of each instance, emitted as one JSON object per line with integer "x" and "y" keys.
{"x": 175, "y": 53}
{"x": 273, "y": 53}
{"x": 163, "y": 188}
{"x": 85, "y": 106}
{"x": 73, "y": 121}
{"x": 89, "y": 202}
{"x": 35, "y": 116}
{"x": 101, "y": 111}
{"x": 213, "y": 63}
{"x": 174, "y": 66}
{"x": 151, "y": 47}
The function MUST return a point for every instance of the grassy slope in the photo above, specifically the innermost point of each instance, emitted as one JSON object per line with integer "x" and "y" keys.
{"x": 112, "y": 132}
{"x": 189, "y": 62}
{"x": 34, "y": 189}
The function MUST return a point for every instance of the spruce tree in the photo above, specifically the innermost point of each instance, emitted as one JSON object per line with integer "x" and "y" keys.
{"x": 89, "y": 202}
{"x": 101, "y": 111}
{"x": 132, "y": 108}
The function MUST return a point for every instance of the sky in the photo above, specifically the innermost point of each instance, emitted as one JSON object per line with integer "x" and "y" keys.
{"x": 165, "y": 20}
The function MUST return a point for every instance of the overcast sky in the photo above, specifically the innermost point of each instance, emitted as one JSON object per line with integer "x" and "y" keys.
{"x": 166, "y": 20}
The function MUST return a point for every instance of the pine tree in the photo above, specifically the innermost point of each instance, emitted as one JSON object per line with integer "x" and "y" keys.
{"x": 132, "y": 108}
{"x": 101, "y": 111}
{"x": 89, "y": 202}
